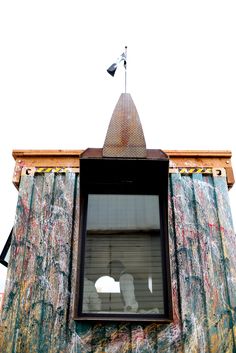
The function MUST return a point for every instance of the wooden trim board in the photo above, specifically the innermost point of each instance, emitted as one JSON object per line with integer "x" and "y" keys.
{"x": 71, "y": 158}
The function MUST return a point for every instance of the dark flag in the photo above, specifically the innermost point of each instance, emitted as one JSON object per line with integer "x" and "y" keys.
{"x": 112, "y": 69}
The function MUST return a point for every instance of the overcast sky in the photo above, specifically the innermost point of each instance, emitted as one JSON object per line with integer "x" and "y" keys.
{"x": 55, "y": 92}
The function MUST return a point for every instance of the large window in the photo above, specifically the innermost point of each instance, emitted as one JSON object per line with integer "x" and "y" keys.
{"x": 123, "y": 253}
{"x": 123, "y": 272}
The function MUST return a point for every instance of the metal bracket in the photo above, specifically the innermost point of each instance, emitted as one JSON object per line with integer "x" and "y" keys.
{"x": 219, "y": 172}
{"x": 185, "y": 171}
{"x": 210, "y": 171}
{"x": 40, "y": 170}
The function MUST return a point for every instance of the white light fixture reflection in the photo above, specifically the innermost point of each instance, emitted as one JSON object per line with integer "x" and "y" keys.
{"x": 150, "y": 283}
{"x": 107, "y": 284}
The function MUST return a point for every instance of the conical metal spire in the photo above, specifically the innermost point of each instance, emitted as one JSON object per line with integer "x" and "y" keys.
{"x": 125, "y": 138}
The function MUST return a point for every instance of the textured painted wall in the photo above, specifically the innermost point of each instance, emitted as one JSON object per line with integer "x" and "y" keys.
{"x": 37, "y": 314}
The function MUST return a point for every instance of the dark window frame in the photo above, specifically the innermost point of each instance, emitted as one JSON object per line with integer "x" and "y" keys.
{"x": 124, "y": 176}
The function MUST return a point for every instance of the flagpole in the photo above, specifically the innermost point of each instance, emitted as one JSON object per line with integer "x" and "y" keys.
{"x": 125, "y": 69}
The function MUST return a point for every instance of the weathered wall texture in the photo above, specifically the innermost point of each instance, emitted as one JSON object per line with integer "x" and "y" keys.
{"x": 41, "y": 277}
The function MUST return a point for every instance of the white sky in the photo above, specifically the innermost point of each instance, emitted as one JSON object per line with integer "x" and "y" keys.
{"x": 55, "y": 92}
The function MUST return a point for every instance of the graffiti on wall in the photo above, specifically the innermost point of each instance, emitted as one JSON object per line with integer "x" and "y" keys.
{"x": 37, "y": 313}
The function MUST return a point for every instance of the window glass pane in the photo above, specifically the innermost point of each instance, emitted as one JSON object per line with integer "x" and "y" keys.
{"x": 127, "y": 212}
{"x": 123, "y": 265}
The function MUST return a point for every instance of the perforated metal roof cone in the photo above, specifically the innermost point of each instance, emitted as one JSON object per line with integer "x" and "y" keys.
{"x": 125, "y": 138}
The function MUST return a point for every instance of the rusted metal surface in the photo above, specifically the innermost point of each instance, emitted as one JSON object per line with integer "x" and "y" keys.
{"x": 37, "y": 312}
{"x": 125, "y": 136}
{"x": 98, "y": 153}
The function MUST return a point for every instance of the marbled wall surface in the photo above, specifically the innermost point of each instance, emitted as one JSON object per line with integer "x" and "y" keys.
{"x": 37, "y": 313}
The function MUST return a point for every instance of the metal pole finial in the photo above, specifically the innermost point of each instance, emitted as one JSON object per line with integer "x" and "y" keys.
{"x": 125, "y": 69}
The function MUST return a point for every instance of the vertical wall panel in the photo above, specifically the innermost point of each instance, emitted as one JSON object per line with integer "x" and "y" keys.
{"x": 43, "y": 237}
{"x": 37, "y": 313}
{"x": 215, "y": 286}
{"x": 189, "y": 265}
{"x": 30, "y": 310}
{"x": 227, "y": 244}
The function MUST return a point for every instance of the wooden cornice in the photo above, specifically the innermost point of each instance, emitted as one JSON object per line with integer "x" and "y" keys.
{"x": 43, "y": 158}
{"x": 71, "y": 158}
{"x": 203, "y": 159}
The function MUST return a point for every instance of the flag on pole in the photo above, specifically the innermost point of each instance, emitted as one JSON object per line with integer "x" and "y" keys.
{"x": 112, "y": 69}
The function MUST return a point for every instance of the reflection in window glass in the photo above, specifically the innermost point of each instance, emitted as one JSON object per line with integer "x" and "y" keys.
{"x": 123, "y": 255}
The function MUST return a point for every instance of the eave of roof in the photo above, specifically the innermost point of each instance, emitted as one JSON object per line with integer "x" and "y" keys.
{"x": 71, "y": 159}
